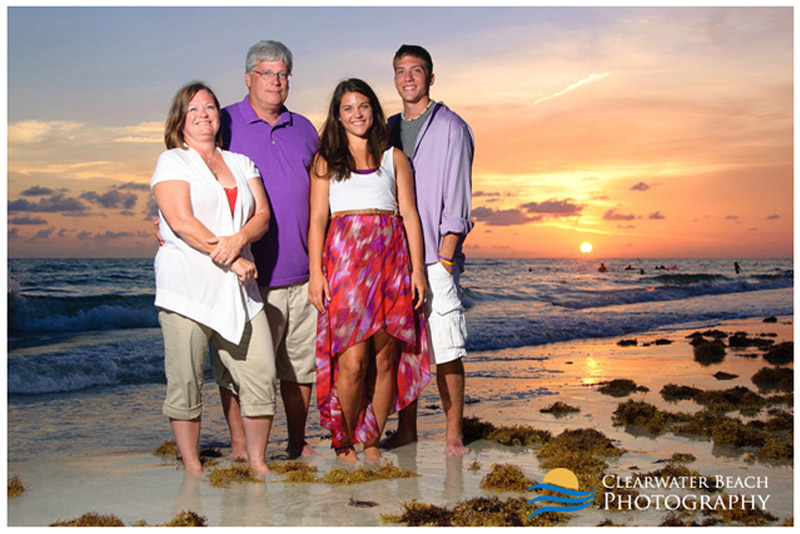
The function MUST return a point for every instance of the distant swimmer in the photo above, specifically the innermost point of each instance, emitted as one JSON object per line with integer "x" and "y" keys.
{"x": 736, "y": 267}
{"x": 641, "y": 271}
{"x": 629, "y": 268}
{"x": 602, "y": 268}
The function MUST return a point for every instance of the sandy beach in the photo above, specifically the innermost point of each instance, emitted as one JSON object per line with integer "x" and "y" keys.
{"x": 137, "y": 485}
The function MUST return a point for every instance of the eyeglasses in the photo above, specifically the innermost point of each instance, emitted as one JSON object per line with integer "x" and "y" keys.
{"x": 268, "y": 75}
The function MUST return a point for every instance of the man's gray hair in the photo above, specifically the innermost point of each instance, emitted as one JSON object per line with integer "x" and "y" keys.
{"x": 267, "y": 51}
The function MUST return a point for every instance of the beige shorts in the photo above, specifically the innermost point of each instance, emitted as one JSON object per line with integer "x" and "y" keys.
{"x": 250, "y": 364}
{"x": 293, "y": 323}
{"x": 447, "y": 328}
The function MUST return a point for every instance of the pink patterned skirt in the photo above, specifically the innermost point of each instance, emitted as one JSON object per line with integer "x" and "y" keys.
{"x": 367, "y": 265}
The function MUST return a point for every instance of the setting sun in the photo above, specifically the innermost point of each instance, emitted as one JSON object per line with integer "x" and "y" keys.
{"x": 586, "y": 247}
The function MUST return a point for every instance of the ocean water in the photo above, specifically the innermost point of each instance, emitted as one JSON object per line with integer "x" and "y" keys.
{"x": 88, "y": 324}
{"x": 85, "y": 367}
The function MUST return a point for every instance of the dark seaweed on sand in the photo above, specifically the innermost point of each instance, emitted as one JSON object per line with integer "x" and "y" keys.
{"x": 721, "y": 375}
{"x": 506, "y": 477}
{"x": 674, "y": 392}
{"x": 91, "y": 519}
{"x": 709, "y": 352}
{"x": 15, "y": 487}
{"x": 716, "y": 334}
{"x": 222, "y": 477}
{"x": 674, "y": 470}
{"x": 739, "y": 340}
{"x": 475, "y": 512}
{"x": 770, "y": 378}
{"x": 621, "y": 387}
{"x": 560, "y": 408}
{"x": 627, "y": 342}
{"x": 780, "y": 354}
{"x": 643, "y": 414}
{"x": 475, "y": 429}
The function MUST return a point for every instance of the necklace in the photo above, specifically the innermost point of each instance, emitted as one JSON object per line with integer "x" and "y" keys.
{"x": 430, "y": 103}
{"x": 208, "y": 164}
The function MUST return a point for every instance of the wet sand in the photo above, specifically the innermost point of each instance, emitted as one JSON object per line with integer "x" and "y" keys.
{"x": 512, "y": 385}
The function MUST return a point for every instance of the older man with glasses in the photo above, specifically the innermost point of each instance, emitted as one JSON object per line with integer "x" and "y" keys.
{"x": 282, "y": 144}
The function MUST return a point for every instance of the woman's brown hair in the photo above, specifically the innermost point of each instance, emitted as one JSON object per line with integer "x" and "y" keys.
{"x": 173, "y": 132}
{"x": 333, "y": 145}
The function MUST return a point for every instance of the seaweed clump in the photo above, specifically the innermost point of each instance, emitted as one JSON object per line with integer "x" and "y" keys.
{"x": 708, "y": 352}
{"x": 780, "y": 354}
{"x": 386, "y": 471}
{"x": 768, "y": 378}
{"x": 474, "y": 466}
{"x": 640, "y": 413}
{"x": 736, "y": 398}
{"x": 475, "y": 429}
{"x": 621, "y": 387}
{"x": 627, "y": 342}
{"x": 506, "y": 477}
{"x": 721, "y": 375}
{"x": 775, "y": 448}
{"x": 679, "y": 458}
{"x": 295, "y": 471}
{"x": 187, "y": 518}
{"x": 168, "y": 448}
{"x": 749, "y": 517}
{"x": 672, "y": 471}
{"x": 674, "y": 392}
{"x": 15, "y": 487}
{"x": 475, "y": 512}
{"x": 91, "y": 519}
{"x": 222, "y": 477}
{"x": 560, "y": 408}
{"x": 739, "y": 340}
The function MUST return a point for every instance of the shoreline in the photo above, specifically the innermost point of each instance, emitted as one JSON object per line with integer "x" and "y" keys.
{"x": 512, "y": 385}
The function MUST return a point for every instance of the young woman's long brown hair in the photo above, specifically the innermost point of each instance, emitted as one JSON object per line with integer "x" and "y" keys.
{"x": 333, "y": 145}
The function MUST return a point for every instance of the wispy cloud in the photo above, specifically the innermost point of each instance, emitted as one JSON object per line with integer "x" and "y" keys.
{"x": 572, "y": 87}
{"x": 144, "y": 132}
{"x": 33, "y": 131}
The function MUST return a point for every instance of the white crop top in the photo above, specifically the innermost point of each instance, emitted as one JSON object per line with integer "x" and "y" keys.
{"x": 366, "y": 189}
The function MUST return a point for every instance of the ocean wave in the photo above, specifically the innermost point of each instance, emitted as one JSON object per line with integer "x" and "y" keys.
{"x": 681, "y": 288}
{"x": 107, "y": 364}
{"x": 78, "y": 314}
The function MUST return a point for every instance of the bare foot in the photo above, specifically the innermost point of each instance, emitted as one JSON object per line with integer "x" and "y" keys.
{"x": 454, "y": 447}
{"x": 239, "y": 452}
{"x": 193, "y": 467}
{"x": 306, "y": 451}
{"x": 260, "y": 468}
{"x": 346, "y": 454}
{"x": 398, "y": 440}
{"x": 372, "y": 453}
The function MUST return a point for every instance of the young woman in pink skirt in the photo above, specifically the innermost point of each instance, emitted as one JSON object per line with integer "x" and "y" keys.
{"x": 367, "y": 276}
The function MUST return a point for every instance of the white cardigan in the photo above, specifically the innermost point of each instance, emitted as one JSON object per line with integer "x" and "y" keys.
{"x": 188, "y": 282}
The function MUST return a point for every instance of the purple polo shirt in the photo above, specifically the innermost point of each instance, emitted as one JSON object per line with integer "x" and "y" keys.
{"x": 282, "y": 153}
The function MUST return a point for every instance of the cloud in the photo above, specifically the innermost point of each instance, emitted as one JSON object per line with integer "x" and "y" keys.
{"x": 127, "y": 213}
{"x": 24, "y": 219}
{"x": 32, "y": 131}
{"x": 554, "y": 208}
{"x": 626, "y": 227}
{"x": 13, "y": 233}
{"x": 732, "y": 217}
{"x": 44, "y": 234}
{"x": 612, "y": 215}
{"x": 83, "y": 236}
{"x": 641, "y": 186}
{"x": 52, "y": 204}
{"x": 494, "y": 217}
{"x": 150, "y": 210}
{"x": 37, "y": 191}
{"x": 112, "y": 199}
{"x": 752, "y": 229}
{"x": 656, "y": 215}
{"x": 113, "y": 235}
{"x": 773, "y": 217}
{"x": 144, "y": 132}
{"x": 136, "y": 186}
{"x": 64, "y": 231}
{"x": 572, "y": 87}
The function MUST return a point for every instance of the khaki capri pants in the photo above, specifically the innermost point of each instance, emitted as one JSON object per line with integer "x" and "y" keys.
{"x": 250, "y": 363}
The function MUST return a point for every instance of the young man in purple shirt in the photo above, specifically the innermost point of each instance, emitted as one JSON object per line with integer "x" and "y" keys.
{"x": 281, "y": 144}
{"x": 440, "y": 146}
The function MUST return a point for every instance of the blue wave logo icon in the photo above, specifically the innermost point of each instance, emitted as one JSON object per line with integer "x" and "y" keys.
{"x": 564, "y": 483}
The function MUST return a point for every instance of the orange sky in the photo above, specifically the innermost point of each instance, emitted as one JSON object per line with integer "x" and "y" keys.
{"x": 647, "y": 132}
